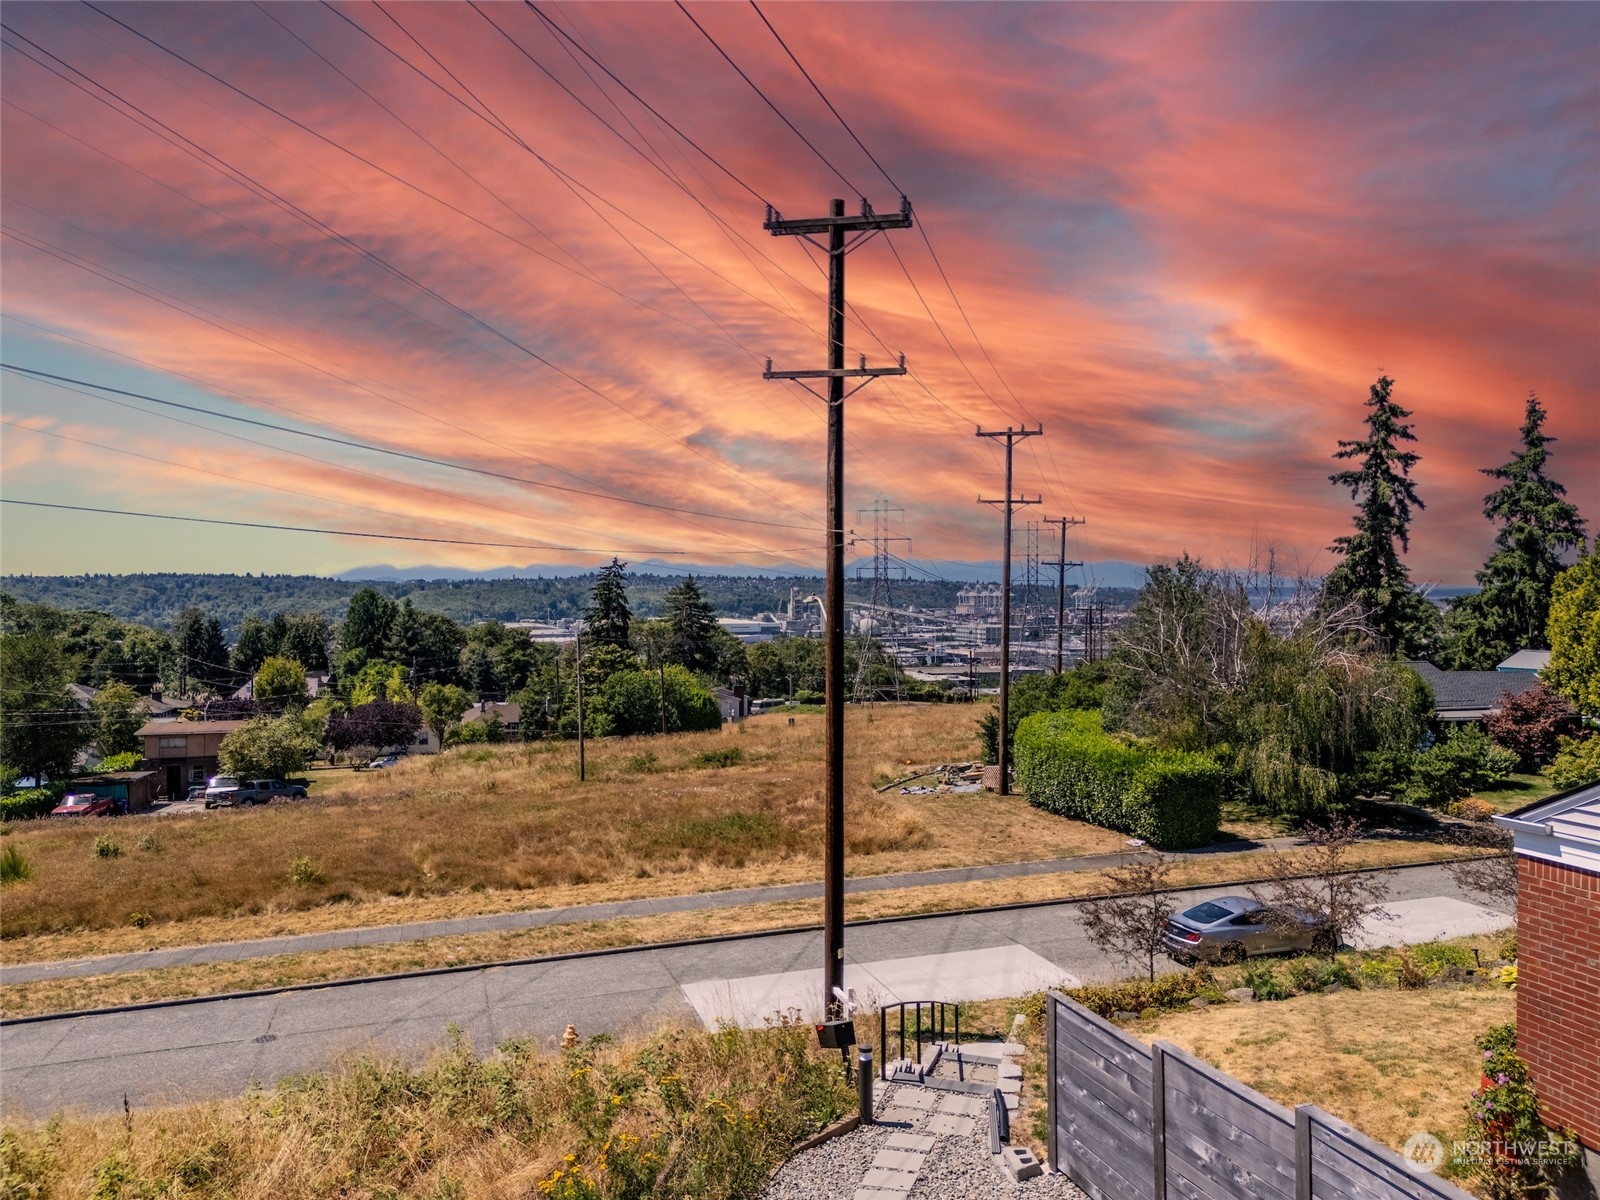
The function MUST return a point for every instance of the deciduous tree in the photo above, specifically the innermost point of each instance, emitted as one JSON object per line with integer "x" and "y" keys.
{"x": 279, "y": 683}
{"x": 1531, "y": 724}
{"x": 1574, "y": 629}
{"x": 442, "y": 705}
{"x": 267, "y": 748}
{"x": 1319, "y": 884}
{"x": 42, "y": 728}
{"x": 118, "y": 713}
{"x": 1129, "y": 924}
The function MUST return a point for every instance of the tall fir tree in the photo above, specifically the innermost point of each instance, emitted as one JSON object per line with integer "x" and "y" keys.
{"x": 608, "y": 615}
{"x": 691, "y": 625}
{"x": 1511, "y": 608}
{"x": 202, "y": 652}
{"x": 1371, "y": 571}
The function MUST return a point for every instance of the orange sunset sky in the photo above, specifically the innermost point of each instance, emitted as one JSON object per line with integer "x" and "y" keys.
{"x": 1189, "y": 238}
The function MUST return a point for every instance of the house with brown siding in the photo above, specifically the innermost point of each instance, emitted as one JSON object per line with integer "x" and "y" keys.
{"x": 184, "y": 752}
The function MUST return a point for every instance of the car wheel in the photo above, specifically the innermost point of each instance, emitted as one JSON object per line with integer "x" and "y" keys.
{"x": 1232, "y": 953}
{"x": 249, "y": 801}
{"x": 209, "y": 804}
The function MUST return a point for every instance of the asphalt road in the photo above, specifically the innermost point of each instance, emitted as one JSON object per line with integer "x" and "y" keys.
{"x": 218, "y": 1047}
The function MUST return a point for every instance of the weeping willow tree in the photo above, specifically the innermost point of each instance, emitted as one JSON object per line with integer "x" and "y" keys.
{"x": 1291, "y": 695}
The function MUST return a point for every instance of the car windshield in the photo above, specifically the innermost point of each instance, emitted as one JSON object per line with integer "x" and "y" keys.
{"x": 75, "y": 801}
{"x": 1208, "y": 913}
{"x": 224, "y": 781}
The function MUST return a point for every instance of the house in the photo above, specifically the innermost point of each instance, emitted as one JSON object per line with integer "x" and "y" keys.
{"x": 508, "y": 711}
{"x": 1470, "y": 695}
{"x": 733, "y": 702}
{"x": 137, "y": 788}
{"x": 184, "y": 752}
{"x": 1557, "y": 844}
{"x": 317, "y": 685}
{"x": 1526, "y": 660}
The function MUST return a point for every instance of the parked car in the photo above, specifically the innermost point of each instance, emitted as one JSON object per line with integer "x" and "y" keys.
{"x": 246, "y": 793}
{"x": 85, "y": 804}
{"x": 1230, "y": 928}
{"x": 388, "y": 760}
{"x": 197, "y": 791}
{"x": 268, "y": 790}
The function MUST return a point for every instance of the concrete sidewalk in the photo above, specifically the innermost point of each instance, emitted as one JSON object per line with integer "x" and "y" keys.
{"x": 377, "y": 935}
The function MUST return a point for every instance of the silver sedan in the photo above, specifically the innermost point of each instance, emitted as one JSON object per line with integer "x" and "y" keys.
{"x": 1230, "y": 928}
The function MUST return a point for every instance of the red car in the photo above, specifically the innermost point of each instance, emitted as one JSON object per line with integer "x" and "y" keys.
{"x": 84, "y": 804}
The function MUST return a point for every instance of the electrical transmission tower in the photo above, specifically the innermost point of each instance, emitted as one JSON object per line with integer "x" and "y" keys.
{"x": 1061, "y": 564}
{"x": 1011, "y": 438}
{"x": 1032, "y": 596}
{"x": 881, "y": 613}
{"x": 842, "y": 235}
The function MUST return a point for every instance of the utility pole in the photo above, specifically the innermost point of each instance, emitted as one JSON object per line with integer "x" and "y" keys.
{"x": 836, "y": 227}
{"x": 577, "y": 644}
{"x": 1011, "y": 437}
{"x": 1061, "y": 564}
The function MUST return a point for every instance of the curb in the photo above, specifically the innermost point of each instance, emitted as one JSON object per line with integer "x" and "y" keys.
{"x": 607, "y": 951}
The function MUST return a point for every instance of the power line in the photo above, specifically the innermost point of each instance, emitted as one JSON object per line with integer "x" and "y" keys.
{"x": 898, "y": 189}
{"x": 422, "y": 458}
{"x": 351, "y": 533}
{"x": 767, "y": 100}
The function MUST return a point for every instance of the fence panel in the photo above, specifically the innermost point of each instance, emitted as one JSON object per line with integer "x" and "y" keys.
{"x": 1132, "y": 1122}
{"x": 1100, "y": 1104}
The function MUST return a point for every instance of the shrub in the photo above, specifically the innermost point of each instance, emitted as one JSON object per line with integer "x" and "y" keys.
{"x": 630, "y": 702}
{"x": 303, "y": 871}
{"x": 724, "y": 756}
{"x": 126, "y": 761}
{"x": 1083, "y": 687}
{"x": 1068, "y": 765}
{"x": 1140, "y": 995}
{"x": 29, "y": 803}
{"x": 1503, "y": 1117}
{"x": 139, "y": 920}
{"x": 1261, "y": 979}
{"x": 1576, "y": 763}
{"x": 1434, "y": 957}
{"x": 1463, "y": 762}
{"x": 1531, "y": 724}
{"x": 642, "y": 764}
{"x": 13, "y": 867}
{"x": 1410, "y": 973}
{"x": 105, "y": 847}
{"x": 1314, "y": 974}
{"x": 806, "y": 696}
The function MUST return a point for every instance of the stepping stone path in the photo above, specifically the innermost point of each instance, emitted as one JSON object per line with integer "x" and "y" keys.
{"x": 927, "y": 1142}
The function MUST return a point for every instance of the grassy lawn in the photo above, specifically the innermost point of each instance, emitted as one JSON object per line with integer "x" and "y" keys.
{"x": 95, "y": 991}
{"x": 491, "y": 828}
{"x": 676, "y": 1114}
{"x": 1518, "y": 791}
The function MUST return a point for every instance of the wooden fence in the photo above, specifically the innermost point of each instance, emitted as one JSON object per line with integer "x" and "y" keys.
{"x": 1136, "y": 1122}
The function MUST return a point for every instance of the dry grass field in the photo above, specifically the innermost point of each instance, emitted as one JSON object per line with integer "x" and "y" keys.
{"x": 1391, "y": 1063}
{"x": 484, "y": 829}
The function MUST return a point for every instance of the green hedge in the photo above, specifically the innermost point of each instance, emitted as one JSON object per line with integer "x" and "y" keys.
{"x": 1068, "y": 765}
{"x": 32, "y": 802}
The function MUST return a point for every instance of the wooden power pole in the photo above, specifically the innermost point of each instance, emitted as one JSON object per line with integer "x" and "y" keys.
{"x": 1003, "y": 741}
{"x": 843, "y": 233}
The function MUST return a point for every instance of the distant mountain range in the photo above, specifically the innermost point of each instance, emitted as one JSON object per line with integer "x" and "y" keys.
{"x": 1110, "y": 573}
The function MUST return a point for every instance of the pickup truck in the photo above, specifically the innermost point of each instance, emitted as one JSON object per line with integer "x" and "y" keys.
{"x": 246, "y": 793}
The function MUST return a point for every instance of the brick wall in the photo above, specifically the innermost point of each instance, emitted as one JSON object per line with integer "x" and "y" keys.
{"x": 1558, "y": 991}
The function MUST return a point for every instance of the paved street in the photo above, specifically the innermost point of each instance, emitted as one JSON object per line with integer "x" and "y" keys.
{"x": 218, "y": 1047}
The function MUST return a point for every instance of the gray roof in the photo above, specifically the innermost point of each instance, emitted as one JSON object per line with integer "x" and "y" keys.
{"x": 1526, "y": 660}
{"x": 1563, "y": 828}
{"x": 1467, "y": 694}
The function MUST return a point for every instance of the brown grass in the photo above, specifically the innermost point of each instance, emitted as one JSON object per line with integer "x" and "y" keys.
{"x": 96, "y": 991}
{"x": 681, "y": 1113}
{"x": 486, "y": 829}
{"x": 1391, "y": 1063}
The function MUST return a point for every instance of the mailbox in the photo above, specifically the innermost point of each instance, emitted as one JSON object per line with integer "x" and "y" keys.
{"x": 836, "y": 1035}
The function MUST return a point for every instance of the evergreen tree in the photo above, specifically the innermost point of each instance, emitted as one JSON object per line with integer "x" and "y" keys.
{"x": 1512, "y": 606}
{"x": 41, "y": 726}
{"x": 1370, "y": 571}
{"x": 608, "y": 615}
{"x": 691, "y": 628}
{"x": 202, "y": 654}
{"x": 255, "y": 645}
{"x": 367, "y": 624}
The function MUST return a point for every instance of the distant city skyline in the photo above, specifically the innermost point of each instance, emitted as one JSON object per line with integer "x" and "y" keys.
{"x": 1187, "y": 237}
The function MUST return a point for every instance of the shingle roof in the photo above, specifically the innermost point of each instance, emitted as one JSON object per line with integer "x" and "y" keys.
{"x": 182, "y": 728}
{"x": 1526, "y": 660}
{"x": 1471, "y": 693}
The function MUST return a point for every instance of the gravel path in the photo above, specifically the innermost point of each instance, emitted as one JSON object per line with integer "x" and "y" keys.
{"x": 959, "y": 1167}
